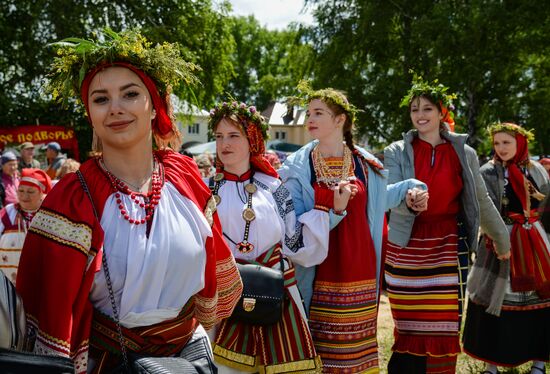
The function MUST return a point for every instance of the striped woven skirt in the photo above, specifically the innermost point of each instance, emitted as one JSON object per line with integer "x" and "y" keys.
{"x": 343, "y": 325}
{"x": 426, "y": 284}
{"x": 285, "y": 347}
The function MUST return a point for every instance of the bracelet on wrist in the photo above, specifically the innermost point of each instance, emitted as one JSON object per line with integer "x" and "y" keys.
{"x": 321, "y": 207}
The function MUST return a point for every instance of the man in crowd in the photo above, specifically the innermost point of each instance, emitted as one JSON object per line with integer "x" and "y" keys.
{"x": 27, "y": 157}
{"x": 54, "y": 159}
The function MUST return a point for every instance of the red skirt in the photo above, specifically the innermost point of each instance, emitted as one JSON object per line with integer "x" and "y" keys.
{"x": 344, "y": 306}
{"x": 423, "y": 284}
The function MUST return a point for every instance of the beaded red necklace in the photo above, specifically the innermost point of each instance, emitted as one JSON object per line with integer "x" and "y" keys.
{"x": 150, "y": 199}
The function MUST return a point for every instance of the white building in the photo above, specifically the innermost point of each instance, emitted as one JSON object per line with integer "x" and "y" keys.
{"x": 192, "y": 122}
{"x": 287, "y": 124}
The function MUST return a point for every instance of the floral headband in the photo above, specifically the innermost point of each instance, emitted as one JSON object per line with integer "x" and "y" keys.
{"x": 511, "y": 128}
{"x": 328, "y": 95}
{"x": 253, "y": 124}
{"x": 436, "y": 91}
{"x": 76, "y": 57}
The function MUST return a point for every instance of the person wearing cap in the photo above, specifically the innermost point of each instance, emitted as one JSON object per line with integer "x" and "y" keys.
{"x": 16, "y": 218}
{"x": 10, "y": 178}
{"x": 54, "y": 159}
{"x": 27, "y": 157}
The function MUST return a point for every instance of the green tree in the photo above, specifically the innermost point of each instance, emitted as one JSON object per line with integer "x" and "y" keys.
{"x": 492, "y": 53}
{"x": 267, "y": 63}
{"x": 26, "y": 27}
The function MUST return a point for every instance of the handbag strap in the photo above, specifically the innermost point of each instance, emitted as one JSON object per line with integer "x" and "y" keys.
{"x": 107, "y": 279}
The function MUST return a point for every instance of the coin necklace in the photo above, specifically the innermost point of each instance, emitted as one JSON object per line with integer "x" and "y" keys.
{"x": 248, "y": 213}
{"x": 327, "y": 175}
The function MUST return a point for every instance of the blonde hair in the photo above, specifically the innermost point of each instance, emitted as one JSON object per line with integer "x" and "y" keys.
{"x": 69, "y": 166}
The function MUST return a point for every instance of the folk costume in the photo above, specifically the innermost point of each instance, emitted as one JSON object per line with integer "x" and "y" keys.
{"x": 274, "y": 231}
{"x": 342, "y": 292}
{"x": 427, "y": 255}
{"x": 509, "y": 308}
{"x": 15, "y": 222}
{"x": 167, "y": 267}
{"x": 69, "y": 312}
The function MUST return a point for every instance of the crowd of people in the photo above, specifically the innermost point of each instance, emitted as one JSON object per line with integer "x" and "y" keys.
{"x": 142, "y": 251}
{"x": 24, "y": 184}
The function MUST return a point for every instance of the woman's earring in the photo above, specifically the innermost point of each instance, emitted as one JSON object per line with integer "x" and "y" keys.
{"x": 153, "y": 114}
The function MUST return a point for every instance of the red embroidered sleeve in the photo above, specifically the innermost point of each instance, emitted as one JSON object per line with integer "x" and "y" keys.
{"x": 56, "y": 270}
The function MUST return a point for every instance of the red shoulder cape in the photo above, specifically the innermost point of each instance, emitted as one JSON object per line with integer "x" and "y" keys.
{"x": 62, "y": 253}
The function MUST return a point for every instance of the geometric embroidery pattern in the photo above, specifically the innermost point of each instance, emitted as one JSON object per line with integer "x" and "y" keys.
{"x": 60, "y": 229}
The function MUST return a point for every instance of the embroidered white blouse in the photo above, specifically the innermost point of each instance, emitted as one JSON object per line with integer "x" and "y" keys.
{"x": 305, "y": 241}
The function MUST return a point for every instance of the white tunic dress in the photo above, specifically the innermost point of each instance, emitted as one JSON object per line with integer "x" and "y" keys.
{"x": 152, "y": 276}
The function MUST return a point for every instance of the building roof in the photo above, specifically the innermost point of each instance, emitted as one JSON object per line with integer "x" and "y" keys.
{"x": 183, "y": 107}
{"x": 278, "y": 115}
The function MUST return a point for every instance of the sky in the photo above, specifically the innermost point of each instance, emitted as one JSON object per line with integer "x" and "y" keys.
{"x": 274, "y": 14}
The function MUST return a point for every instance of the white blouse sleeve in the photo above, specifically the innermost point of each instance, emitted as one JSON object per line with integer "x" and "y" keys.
{"x": 305, "y": 239}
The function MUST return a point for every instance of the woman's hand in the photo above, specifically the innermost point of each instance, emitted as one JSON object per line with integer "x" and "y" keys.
{"x": 343, "y": 192}
{"x": 505, "y": 256}
{"x": 417, "y": 199}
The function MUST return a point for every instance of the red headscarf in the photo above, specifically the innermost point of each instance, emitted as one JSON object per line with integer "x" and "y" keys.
{"x": 36, "y": 178}
{"x": 162, "y": 124}
{"x": 519, "y": 183}
{"x": 447, "y": 118}
{"x": 256, "y": 146}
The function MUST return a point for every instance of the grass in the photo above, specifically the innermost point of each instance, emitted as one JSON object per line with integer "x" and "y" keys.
{"x": 465, "y": 365}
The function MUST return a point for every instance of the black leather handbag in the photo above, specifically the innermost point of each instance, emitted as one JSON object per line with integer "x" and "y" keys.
{"x": 162, "y": 365}
{"x": 14, "y": 362}
{"x": 263, "y": 295}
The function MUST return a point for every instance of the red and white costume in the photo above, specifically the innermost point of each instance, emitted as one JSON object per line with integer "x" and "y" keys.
{"x": 182, "y": 262}
{"x": 13, "y": 229}
{"x": 286, "y": 346}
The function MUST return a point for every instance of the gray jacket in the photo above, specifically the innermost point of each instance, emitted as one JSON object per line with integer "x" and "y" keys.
{"x": 477, "y": 209}
{"x": 493, "y": 175}
{"x": 488, "y": 277}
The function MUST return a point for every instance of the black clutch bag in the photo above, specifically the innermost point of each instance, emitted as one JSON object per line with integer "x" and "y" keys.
{"x": 263, "y": 295}
{"x": 14, "y": 362}
{"x": 162, "y": 365}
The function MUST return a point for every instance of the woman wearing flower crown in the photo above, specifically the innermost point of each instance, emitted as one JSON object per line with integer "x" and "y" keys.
{"x": 341, "y": 294}
{"x": 127, "y": 255}
{"x": 508, "y": 317}
{"x": 427, "y": 255}
{"x": 247, "y": 186}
